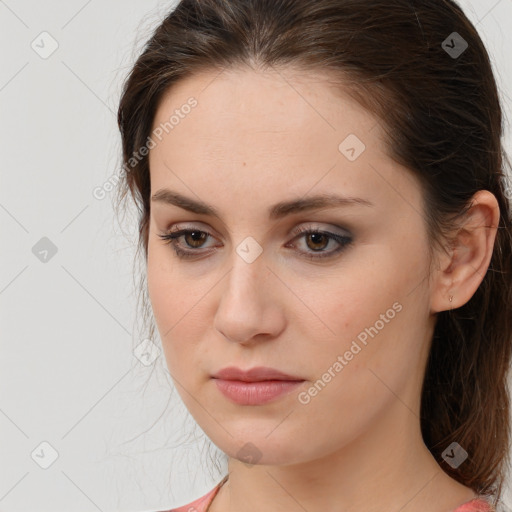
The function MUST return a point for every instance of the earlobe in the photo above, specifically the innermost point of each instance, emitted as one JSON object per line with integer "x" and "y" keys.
{"x": 463, "y": 269}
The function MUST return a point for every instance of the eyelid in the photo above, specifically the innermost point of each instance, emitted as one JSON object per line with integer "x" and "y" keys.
{"x": 318, "y": 226}
{"x": 311, "y": 225}
{"x": 298, "y": 230}
{"x": 343, "y": 241}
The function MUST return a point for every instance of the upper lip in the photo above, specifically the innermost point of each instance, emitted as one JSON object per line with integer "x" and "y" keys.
{"x": 256, "y": 374}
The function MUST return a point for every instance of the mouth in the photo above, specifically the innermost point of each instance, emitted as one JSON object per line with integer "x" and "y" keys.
{"x": 255, "y": 393}
{"x": 256, "y": 386}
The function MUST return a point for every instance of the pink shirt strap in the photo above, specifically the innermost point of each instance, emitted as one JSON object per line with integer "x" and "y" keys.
{"x": 202, "y": 504}
{"x": 475, "y": 505}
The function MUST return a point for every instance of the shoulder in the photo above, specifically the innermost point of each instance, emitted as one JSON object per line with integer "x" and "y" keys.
{"x": 200, "y": 504}
{"x": 476, "y": 505}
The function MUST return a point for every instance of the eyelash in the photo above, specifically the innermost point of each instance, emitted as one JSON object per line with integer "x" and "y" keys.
{"x": 343, "y": 240}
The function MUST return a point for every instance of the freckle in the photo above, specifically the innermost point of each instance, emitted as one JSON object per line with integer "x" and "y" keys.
{"x": 243, "y": 163}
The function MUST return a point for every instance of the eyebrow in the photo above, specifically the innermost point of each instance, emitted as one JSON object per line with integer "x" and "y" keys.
{"x": 275, "y": 212}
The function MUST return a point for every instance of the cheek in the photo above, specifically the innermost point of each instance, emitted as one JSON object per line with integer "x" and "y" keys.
{"x": 352, "y": 298}
{"x": 178, "y": 302}
{"x": 373, "y": 314}
{"x": 168, "y": 302}
{"x": 169, "y": 292}
{"x": 362, "y": 366}
{"x": 158, "y": 283}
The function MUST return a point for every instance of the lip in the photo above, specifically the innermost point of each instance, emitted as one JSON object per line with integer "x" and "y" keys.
{"x": 256, "y": 386}
{"x": 255, "y": 393}
{"x": 256, "y": 374}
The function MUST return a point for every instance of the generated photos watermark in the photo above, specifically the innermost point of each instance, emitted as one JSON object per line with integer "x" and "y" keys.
{"x": 357, "y": 345}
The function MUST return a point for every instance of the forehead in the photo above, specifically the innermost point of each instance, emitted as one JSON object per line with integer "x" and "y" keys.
{"x": 248, "y": 101}
{"x": 274, "y": 110}
{"x": 273, "y": 133}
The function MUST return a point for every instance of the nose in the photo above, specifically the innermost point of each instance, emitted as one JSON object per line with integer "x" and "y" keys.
{"x": 249, "y": 309}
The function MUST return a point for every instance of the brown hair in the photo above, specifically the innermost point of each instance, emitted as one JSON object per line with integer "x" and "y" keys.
{"x": 443, "y": 121}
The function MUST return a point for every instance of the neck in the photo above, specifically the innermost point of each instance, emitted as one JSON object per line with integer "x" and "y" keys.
{"x": 385, "y": 468}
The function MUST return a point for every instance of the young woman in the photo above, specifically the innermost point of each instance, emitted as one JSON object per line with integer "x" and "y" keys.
{"x": 328, "y": 239}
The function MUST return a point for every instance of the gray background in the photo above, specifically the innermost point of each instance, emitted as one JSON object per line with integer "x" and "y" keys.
{"x": 68, "y": 373}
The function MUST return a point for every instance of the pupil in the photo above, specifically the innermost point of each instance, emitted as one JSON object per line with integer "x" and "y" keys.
{"x": 196, "y": 237}
{"x": 316, "y": 236}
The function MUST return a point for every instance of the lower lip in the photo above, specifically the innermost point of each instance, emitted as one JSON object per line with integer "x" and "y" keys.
{"x": 255, "y": 393}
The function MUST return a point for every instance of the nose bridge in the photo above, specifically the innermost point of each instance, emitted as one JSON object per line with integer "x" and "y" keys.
{"x": 249, "y": 271}
{"x": 247, "y": 305}
{"x": 248, "y": 263}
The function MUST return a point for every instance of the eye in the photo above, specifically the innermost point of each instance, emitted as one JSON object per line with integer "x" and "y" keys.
{"x": 318, "y": 240}
{"x": 315, "y": 239}
{"x": 193, "y": 238}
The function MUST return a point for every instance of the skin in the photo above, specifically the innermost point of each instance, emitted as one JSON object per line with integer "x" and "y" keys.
{"x": 254, "y": 139}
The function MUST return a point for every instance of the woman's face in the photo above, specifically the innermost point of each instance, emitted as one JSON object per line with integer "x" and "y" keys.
{"x": 353, "y": 324}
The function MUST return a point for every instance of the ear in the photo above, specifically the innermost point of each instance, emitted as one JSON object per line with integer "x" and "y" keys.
{"x": 463, "y": 267}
